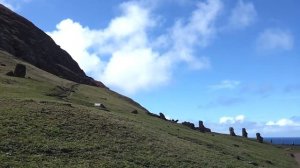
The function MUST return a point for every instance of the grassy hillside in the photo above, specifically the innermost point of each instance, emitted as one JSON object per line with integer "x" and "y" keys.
{"x": 46, "y": 121}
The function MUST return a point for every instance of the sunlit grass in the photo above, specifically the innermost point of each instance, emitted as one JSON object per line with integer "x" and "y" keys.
{"x": 38, "y": 130}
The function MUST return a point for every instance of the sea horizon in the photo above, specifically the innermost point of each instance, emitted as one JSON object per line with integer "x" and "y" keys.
{"x": 283, "y": 140}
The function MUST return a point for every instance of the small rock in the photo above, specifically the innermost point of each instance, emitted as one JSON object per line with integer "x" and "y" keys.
{"x": 235, "y": 145}
{"x": 68, "y": 104}
{"x": 253, "y": 163}
{"x": 134, "y": 112}
{"x": 66, "y": 150}
{"x": 10, "y": 73}
{"x": 269, "y": 162}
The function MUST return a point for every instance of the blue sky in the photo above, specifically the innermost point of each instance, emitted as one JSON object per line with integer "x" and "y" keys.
{"x": 226, "y": 62}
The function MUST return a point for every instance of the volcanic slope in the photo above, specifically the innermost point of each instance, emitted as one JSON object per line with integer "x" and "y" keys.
{"x": 47, "y": 121}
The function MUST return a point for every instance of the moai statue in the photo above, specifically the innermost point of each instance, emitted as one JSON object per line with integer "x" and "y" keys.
{"x": 20, "y": 70}
{"x": 201, "y": 127}
{"x": 259, "y": 138}
{"x": 162, "y": 116}
{"x": 231, "y": 131}
{"x": 244, "y": 133}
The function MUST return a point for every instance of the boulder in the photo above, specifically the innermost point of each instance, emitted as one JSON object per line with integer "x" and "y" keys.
{"x": 231, "y": 131}
{"x": 244, "y": 133}
{"x": 134, "y": 112}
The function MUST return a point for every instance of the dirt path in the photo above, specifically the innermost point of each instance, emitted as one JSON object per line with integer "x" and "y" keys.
{"x": 297, "y": 157}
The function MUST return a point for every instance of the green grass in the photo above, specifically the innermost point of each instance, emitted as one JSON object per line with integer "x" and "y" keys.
{"x": 39, "y": 128}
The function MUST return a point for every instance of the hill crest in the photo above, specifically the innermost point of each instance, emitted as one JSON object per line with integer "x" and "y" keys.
{"x": 24, "y": 40}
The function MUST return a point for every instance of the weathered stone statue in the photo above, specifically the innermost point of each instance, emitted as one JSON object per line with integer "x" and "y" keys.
{"x": 259, "y": 138}
{"x": 244, "y": 133}
{"x": 231, "y": 131}
{"x": 202, "y": 128}
{"x": 162, "y": 116}
{"x": 20, "y": 70}
{"x": 188, "y": 124}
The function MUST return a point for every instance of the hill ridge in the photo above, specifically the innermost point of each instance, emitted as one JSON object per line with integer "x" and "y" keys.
{"x": 21, "y": 38}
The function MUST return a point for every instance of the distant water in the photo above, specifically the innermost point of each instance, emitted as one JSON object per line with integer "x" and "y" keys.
{"x": 283, "y": 140}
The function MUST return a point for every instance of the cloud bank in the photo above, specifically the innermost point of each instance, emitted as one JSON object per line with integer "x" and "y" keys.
{"x": 283, "y": 122}
{"x": 125, "y": 56}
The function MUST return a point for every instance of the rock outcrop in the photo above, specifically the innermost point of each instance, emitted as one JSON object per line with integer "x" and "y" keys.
{"x": 24, "y": 40}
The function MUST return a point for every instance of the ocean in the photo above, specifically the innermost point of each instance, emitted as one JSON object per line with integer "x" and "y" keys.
{"x": 283, "y": 140}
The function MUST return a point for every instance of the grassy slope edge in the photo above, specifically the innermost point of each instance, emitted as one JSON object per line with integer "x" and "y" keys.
{"x": 46, "y": 121}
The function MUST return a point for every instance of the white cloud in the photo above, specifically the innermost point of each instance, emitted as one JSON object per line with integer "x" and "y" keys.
{"x": 226, "y": 84}
{"x": 275, "y": 39}
{"x": 240, "y": 118}
{"x": 77, "y": 40}
{"x": 198, "y": 31}
{"x": 243, "y": 15}
{"x": 283, "y": 122}
{"x": 232, "y": 120}
{"x": 123, "y": 55}
{"x": 136, "y": 69}
{"x": 226, "y": 120}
